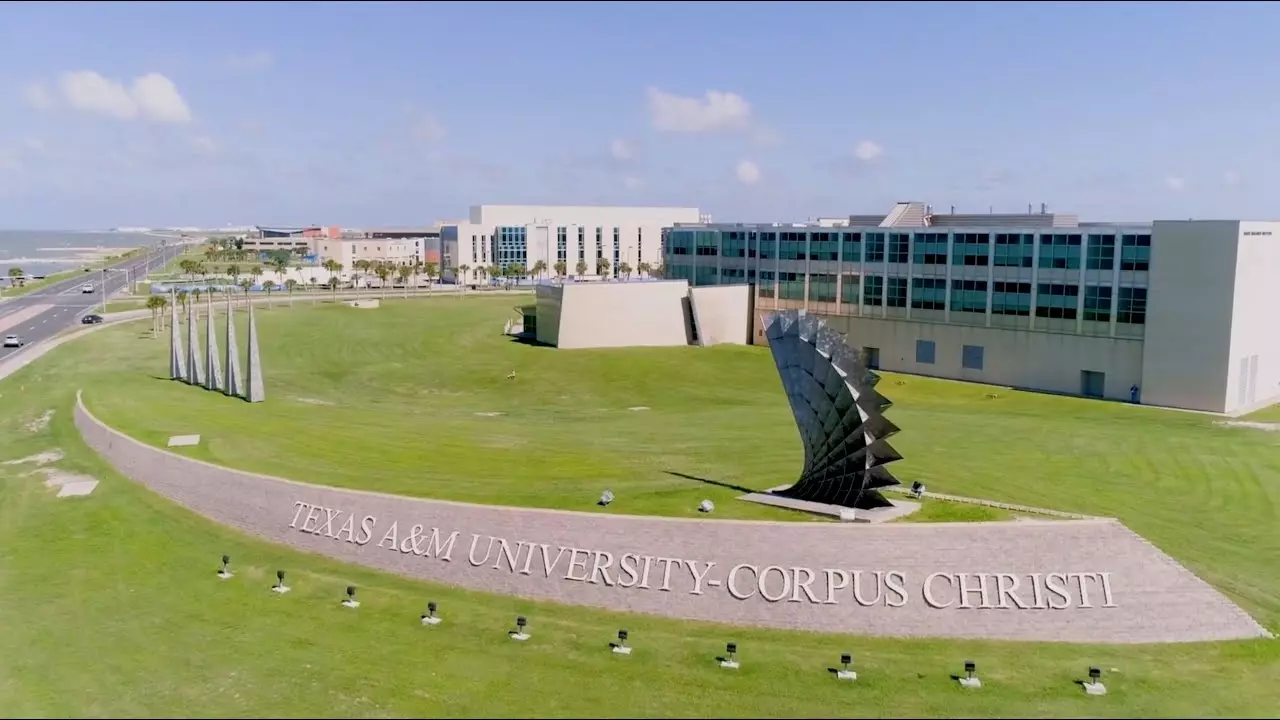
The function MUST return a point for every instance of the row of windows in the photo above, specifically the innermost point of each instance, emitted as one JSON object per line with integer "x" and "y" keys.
{"x": 1061, "y": 251}
{"x": 971, "y": 356}
{"x": 1052, "y": 300}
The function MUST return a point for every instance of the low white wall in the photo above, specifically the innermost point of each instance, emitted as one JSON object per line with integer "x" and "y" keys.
{"x": 622, "y": 314}
{"x": 722, "y": 314}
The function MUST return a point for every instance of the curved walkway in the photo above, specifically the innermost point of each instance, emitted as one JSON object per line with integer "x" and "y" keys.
{"x": 1087, "y": 580}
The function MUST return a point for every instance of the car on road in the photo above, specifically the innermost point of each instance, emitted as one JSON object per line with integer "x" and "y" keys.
{"x": 86, "y": 288}
{"x": 14, "y": 341}
{"x": 91, "y": 319}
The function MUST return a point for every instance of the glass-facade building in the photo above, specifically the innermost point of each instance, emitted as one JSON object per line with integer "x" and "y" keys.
{"x": 1088, "y": 279}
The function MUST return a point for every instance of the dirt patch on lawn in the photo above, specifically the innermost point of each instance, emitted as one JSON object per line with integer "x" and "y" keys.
{"x": 1269, "y": 427}
{"x": 43, "y": 458}
{"x": 39, "y": 423}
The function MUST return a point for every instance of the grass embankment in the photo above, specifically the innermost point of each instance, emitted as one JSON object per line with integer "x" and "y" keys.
{"x": 112, "y": 608}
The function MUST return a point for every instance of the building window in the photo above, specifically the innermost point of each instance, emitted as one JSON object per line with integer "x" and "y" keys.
{"x": 971, "y": 357}
{"x": 734, "y": 244}
{"x": 822, "y": 287}
{"x": 899, "y": 247}
{"x": 897, "y": 293}
{"x": 562, "y": 245}
{"x": 753, "y": 243}
{"x": 875, "y": 247}
{"x": 768, "y": 245}
{"x": 1010, "y": 298}
{"x": 582, "y": 245}
{"x": 873, "y": 290}
{"x": 930, "y": 249}
{"x": 824, "y": 246}
{"x": 1013, "y": 250}
{"x": 1135, "y": 252}
{"x": 969, "y": 296}
{"x": 851, "y": 247}
{"x": 790, "y": 286}
{"x": 1101, "y": 253}
{"x": 1060, "y": 251}
{"x": 929, "y": 293}
{"x": 680, "y": 242}
{"x": 617, "y": 251}
{"x": 707, "y": 243}
{"x": 599, "y": 243}
{"x": 1057, "y": 301}
{"x": 792, "y": 246}
{"x": 1131, "y": 307}
{"x": 1097, "y": 303}
{"x": 765, "y": 287}
{"x": 639, "y": 245}
{"x": 849, "y": 289}
{"x": 971, "y": 249}
{"x": 925, "y": 351}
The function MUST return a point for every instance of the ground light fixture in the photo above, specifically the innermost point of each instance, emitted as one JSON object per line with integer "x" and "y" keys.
{"x": 351, "y": 600}
{"x": 844, "y": 673}
{"x": 430, "y": 618}
{"x": 280, "y": 587}
{"x": 224, "y": 573}
{"x": 730, "y": 659}
{"x": 519, "y": 633}
{"x": 620, "y": 648}
{"x": 706, "y": 506}
{"x": 917, "y": 489}
{"x": 970, "y": 679}
{"x": 606, "y": 497}
{"x": 1095, "y": 686}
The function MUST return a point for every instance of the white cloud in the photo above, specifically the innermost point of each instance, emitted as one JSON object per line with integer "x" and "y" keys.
{"x": 868, "y": 151}
{"x": 38, "y": 96}
{"x": 621, "y": 150}
{"x": 1231, "y": 178}
{"x": 428, "y": 132}
{"x": 151, "y": 97}
{"x": 258, "y": 60}
{"x": 748, "y": 172}
{"x": 633, "y": 183}
{"x": 1175, "y": 183}
{"x": 715, "y": 112}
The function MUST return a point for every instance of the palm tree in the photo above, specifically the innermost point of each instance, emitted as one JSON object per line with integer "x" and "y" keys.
{"x": 269, "y": 286}
{"x": 602, "y": 267}
{"x": 359, "y": 269}
{"x": 298, "y": 269}
{"x": 195, "y": 296}
{"x": 156, "y": 304}
{"x": 432, "y": 271}
{"x": 580, "y": 269}
{"x": 403, "y": 273}
{"x": 539, "y": 268}
{"x": 234, "y": 271}
{"x": 465, "y": 270}
{"x": 280, "y": 266}
{"x": 289, "y": 285}
{"x": 256, "y": 272}
{"x": 644, "y": 268}
{"x": 16, "y": 277}
{"x": 625, "y": 270}
{"x": 383, "y": 271}
{"x": 182, "y": 299}
{"x": 312, "y": 282}
{"x": 245, "y": 285}
{"x": 560, "y": 268}
{"x": 516, "y": 272}
{"x": 333, "y": 281}
{"x": 495, "y": 271}
{"x": 656, "y": 271}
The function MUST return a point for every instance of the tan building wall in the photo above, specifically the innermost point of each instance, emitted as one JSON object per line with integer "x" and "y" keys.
{"x": 1055, "y": 362}
{"x": 624, "y": 314}
{"x": 722, "y": 314}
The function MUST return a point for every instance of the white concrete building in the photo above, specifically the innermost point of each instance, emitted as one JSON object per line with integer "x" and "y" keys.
{"x": 1180, "y": 310}
{"x": 347, "y": 251}
{"x": 504, "y": 235}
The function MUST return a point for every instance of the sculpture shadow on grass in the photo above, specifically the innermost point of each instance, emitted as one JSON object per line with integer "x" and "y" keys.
{"x": 717, "y": 483}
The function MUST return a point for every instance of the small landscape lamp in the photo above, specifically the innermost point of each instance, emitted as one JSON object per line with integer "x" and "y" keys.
{"x": 351, "y": 600}
{"x": 621, "y": 648}
{"x": 519, "y": 633}
{"x": 606, "y": 497}
{"x": 280, "y": 587}
{"x": 730, "y": 660}
{"x": 844, "y": 673}
{"x": 970, "y": 679}
{"x": 1095, "y": 686}
{"x": 430, "y": 618}
{"x": 224, "y": 573}
{"x": 917, "y": 489}
{"x": 1095, "y": 674}
{"x": 706, "y": 506}
{"x": 970, "y": 667}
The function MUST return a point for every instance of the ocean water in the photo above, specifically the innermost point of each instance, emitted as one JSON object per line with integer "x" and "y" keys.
{"x": 42, "y": 252}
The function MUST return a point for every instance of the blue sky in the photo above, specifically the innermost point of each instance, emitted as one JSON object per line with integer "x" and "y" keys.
{"x": 369, "y": 113}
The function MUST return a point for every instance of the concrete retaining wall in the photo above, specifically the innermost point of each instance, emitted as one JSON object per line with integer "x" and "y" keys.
{"x": 1073, "y": 580}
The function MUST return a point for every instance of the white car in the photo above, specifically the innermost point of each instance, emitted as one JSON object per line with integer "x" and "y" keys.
{"x": 86, "y": 288}
{"x": 13, "y": 341}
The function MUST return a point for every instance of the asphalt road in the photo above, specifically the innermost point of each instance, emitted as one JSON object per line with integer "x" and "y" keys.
{"x": 48, "y": 311}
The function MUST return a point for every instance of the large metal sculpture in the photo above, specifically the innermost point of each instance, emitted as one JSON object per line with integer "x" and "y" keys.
{"x": 839, "y": 414}
{"x": 177, "y": 353}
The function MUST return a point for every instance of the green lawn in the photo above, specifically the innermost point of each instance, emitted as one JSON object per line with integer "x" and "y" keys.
{"x": 111, "y": 607}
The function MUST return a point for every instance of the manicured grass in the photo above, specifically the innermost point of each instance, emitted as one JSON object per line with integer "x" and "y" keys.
{"x": 934, "y": 510}
{"x": 111, "y": 607}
